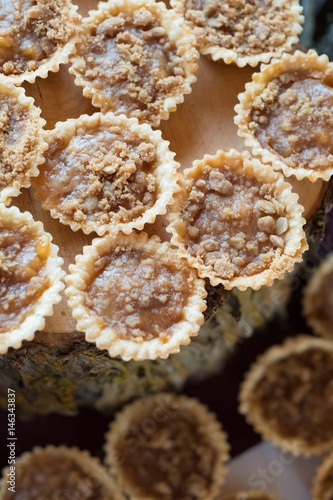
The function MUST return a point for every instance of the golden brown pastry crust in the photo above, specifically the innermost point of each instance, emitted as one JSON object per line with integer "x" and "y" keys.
{"x": 135, "y": 95}
{"x": 106, "y": 337}
{"x": 43, "y": 306}
{"x": 59, "y": 29}
{"x": 21, "y": 140}
{"x": 262, "y": 93}
{"x": 159, "y": 406}
{"x": 115, "y": 151}
{"x": 252, "y": 408}
{"x": 313, "y": 306}
{"x": 232, "y": 32}
{"x": 96, "y": 474}
{"x": 291, "y": 234}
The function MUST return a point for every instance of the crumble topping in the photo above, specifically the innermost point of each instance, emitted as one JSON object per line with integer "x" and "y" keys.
{"x": 249, "y": 27}
{"x": 175, "y": 462}
{"x": 293, "y": 117}
{"x": 138, "y": 295}
{"x": 101, "y": 174}
{"x": 55, "y": 476}
{"x": 130, "y": 61}
{"x": 234, "y": 223}
{"x": 20, "y": 132}
{"x": 295, "y": 396}
{"x": 31, "y": 31}
{"x": 22, "y": 274}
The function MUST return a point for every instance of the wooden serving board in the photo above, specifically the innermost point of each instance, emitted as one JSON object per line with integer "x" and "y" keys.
{"x": 202, "y": 124}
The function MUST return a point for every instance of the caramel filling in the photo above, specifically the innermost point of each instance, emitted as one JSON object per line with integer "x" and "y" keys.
{"x": 30, "y": 32}
{"x": 55, "y": 476}
{"x": 22, "y": 274}
{"x": 322, "y": 303}
{"x": 294, "y": 118}
{"x": 248, "y": 26}
{"x": 137, "y": 295}
{"x": 19, "y": 137}
{"x": 174, "y": 462}
{"x": 234, "y": 224}
{"x": 295, "y": 397}
{"x": 132, "y": 63}
{"x": 100, "y": 174}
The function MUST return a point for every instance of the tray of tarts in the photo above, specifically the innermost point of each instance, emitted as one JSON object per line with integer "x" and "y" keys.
{"x": 119, "y": 133}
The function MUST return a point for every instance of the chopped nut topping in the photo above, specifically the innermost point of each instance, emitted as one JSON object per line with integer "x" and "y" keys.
{"x": 101, "y": 175}
{"x": 226, "y": 228}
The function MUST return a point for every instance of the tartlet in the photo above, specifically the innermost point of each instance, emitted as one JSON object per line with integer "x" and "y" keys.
{"x": 250, "y": 495}
{"x": 285, "y": 115}
{"x": 36, "y": 36}
{"x": 135, "y": 57}
{"x": 106, "y": 173}
{"x": 287, "y": 395}
{"x": 135, "y": 297}
{"x": 318, "y": 299}
{"x": 167, "y": 447}
{"x": 53, "y": 472}
{"x": 242, "y": 32}
{"x": 236, "y": 221}
{"x": 30, "y": 277}
{"x": 323, "y": 480}
{"x": 21, "y": 140}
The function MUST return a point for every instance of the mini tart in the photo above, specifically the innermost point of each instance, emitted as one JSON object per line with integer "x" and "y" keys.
{"x": 285, "y": 115}
{"x": 323, "y": 481}
{"x": 36, "y": 36}
{"x": 167, "y": 447}
{"x": 135, "y": 297}
{"x": 318, "y": 299}
{"x": 106, "y": 173}
{"x": 21, "y": 140}
{"x": 135, "y": 57}
{"x": 30, "y": 277}
{"x": 242, "y": 32}
{"x": 236, "y": 221}
{"x": 287, "y": 395}
{"x": 53, "y": 472}
{"x": 250, "y": 495}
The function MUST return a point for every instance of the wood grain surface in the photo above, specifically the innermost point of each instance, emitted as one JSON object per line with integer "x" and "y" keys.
{"x": 202, "y": 124}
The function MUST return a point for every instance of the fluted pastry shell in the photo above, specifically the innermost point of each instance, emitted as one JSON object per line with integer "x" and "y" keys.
{"x": 121, "y": 174}
{"x": 298, "y": 149}
{"x": 226, "y": 201}
{"x": 36, "y": 275}
{"x": 318, "y": 299}
{"x": 300, "y": 409}
{"x": 61, "y": 28}
{"x": 231, "y": 32}
{"x": 147, "y": 268}
{"x": 324, "y": 475}
{"x": 38, "y": 463}
{"x": 21, "y": 140}
{"x": 142, "y": 418}
{"x": 133, "y": 95}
